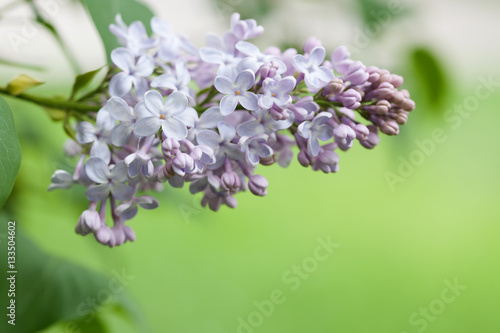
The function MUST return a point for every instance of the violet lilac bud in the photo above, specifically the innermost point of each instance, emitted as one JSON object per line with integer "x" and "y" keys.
{"x": 258, "y": 185}
{"x": 373, "y": 138}
{"x": 310, "y": 44}
{"x": 333, "y": 87}
{"x": 351, "y": 99}
{"x": 170, "y": 147}
{"x": 344, "y": 136}
{"x": 88, "y": 221}
{"x": 230, "y": 181}
{"x": 268, "y": 70}
{"x": 182, "y": 164}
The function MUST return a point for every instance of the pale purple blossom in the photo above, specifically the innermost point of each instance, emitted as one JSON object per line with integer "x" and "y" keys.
{"x": 315, "y": 75}
{"x": 171, "y": 115}
{"x": 134, "y": 73}
{"x": 236, "y": 92}
{"x": 317, "y": 129}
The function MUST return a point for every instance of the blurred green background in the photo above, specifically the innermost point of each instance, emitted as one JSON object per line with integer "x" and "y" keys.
{"x": 401, "y": 241}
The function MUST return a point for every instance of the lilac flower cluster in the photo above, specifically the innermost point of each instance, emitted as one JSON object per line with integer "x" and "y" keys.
{"x": 209, "y": 117}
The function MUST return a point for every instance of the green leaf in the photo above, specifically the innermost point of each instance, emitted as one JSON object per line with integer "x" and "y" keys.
{"x": 82, "y": 80}
{"x": 22, "y": 83}
{"x": 10, "y": 151}
{"x": 103, "y": 14}
{"x": 429, "y": 75}
{"x": 51, "y": 290}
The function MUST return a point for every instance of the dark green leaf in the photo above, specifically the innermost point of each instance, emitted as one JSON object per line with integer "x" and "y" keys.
{"x": 82, "y": 80}
{"x": 10, "y": 151}
{"x": 51, "y": 290}
{"x": 103, "y": 14}
{"x": 429, "y": 75}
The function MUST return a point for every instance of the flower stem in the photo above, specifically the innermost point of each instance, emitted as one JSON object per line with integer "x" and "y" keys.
{"x": 60, "y": 104}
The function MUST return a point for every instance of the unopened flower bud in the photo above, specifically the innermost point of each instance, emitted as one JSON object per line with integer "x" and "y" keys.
{"x": 373, "y": 138}
{"x": 88, "y": 221}
{"x": 382, "y": 107}
{"x": 310, "y": 44}
{"x": 267, "y": 160}
{"x": 390, "y": 127}
{"x": 230, "y": 181}
{"x": 303, "y": 159}
{"x": 182, "y": 164}
{"x": 169, "y": 147}
{"x": 333, "y": 87}
{"x": 258, "y": 185}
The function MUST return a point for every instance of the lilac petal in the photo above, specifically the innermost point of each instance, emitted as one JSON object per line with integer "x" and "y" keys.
{"x": 119, "y": 172}
{"x": 266, "y": 101}
{"x": 85, "y": 132}
{"x": 248, "y": 49}
{"x": 160, "y": 27}
{"x": 313, "y": 146}
{"x": 121, "y": 134}
{"x": 208, "y": 138}
{"x": 147, "y": 126}
{"x": 250, "y": 128}
{"x": 120, "y": 84}
{"x": 123, "y": 59}
{"x": 211, "y": 55}
{"x": 169, "y": 49}
{"x": 210, "y": 118}
{"x": 249, "y": 100}
{"x": 61, "y": 179}
{"x": 176, "y": 103}
{"x": 228, "y": 71}
{"x": 263, "y": 150}
{"x": 317, "y": 56}
{"x": 176, "y": 181}
{"x": 252, "y": 158}
{"x": 97, "y": 170}
{"x": 321, "y": 118}
{"x": 101, "y": 150}
{"x": 340, "y": 53}
{"x": 137, "y": 30}
{"x": 324, "y": 132}
{"x": 233, "y": 152}
{"x": 228, "y": 104}
{"x": 304, "y": 129}
{"x": 145, "y": 66}
{"x": 154, "y": 102}
{"x": 141, "y": 86}
{"x": 165, "y": 81}
{"x": 284, "y": 124}
{"x": 104, "y": 121}
{"x": 134, "y": 167}
{"x": 147, "y": 202}
{"x": 122, "y": 192}
{"x": 300, "y": 63}
{"x": 98, "y": 193}
{"x": 119, "y": 109}
{"x": 312, "y": 80}
{"x": 174, "y": 128}
{"x": 324, "y": 74}
{"x": 226, "y": 131}
{"x": 188, "y": 117}
{"x": 245, "y": 80}
{"x": 127, "y": 211}
{"x": 286, "y": 85}
{"x": 141, "y": 111}
{"x": 224, "y": 85}
{"x": 198, "y": 185}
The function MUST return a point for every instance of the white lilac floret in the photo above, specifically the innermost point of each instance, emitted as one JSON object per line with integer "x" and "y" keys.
{"x": 173, "y": 114}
